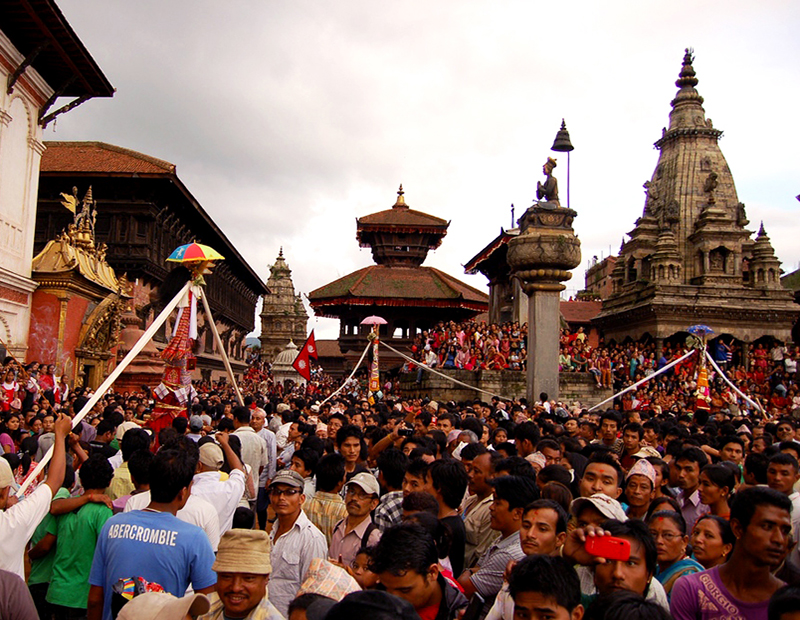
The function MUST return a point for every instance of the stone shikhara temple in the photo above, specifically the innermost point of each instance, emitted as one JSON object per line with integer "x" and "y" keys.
{"x": 690, "y": 257}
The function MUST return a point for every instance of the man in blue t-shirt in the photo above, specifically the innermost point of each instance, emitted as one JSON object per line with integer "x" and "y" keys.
{"x": 153, "y": 543}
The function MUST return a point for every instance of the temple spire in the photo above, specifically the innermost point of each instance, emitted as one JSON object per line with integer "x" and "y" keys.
{"x": 401, "y": 202}
{"x": 687, "y": 76}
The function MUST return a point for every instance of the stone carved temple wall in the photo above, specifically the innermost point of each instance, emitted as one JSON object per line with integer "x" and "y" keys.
{"x": 283, "y": 317}
{"x": 690, "y": 258}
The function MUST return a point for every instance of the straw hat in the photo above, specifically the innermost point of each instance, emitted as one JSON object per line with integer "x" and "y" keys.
{"x": 244, "y": 551}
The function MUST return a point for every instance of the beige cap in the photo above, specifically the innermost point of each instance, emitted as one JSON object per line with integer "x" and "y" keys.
{"x": 6, "y": 475}
{"x": 244, "y": 551}
{"x": 211, "y": 455}
{"x": 433, "y": 405}
{"x": 367, "y": 482}
{"x": 608, "y": 507}
{"x": 163, "y": 606}
{"x": 282, "y": 407}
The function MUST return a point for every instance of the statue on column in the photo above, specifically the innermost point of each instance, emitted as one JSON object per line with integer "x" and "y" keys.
{"x": 547, "y": 192}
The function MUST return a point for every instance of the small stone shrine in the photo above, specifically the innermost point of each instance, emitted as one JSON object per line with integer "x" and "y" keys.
{"x": 283, "y": 317}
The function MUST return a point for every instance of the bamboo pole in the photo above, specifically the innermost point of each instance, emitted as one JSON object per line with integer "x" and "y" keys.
{"x": 221, "y": 348}
{"x": 106, "y": 385}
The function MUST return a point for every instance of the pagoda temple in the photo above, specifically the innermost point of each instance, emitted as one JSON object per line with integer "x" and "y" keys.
{"x": 410, "y": 297}
{"x": 283, "y": 317}
{"x": 690, "y": 258}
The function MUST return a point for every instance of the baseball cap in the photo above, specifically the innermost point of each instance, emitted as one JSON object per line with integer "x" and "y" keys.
{"x": 163, "y": 606}
{"x": 288, "y": 477}
{"x": 6, "y": 475}
{"x": 195, "y": 423}
{"x": 646, "y": 451}
{"x": 608, "y": 507}
{"x": 211, "y": 455}
{"x": 367, "y": 482}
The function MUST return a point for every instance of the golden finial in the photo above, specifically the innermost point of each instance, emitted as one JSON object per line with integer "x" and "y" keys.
{"x": 401, "y": 202}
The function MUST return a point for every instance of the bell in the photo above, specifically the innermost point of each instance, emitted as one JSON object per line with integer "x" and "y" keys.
{"x": 562, "y": 143}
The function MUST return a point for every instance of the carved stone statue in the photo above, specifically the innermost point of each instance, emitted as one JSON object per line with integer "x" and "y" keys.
{"x": 548, "y": 191}
{"x": 709, "y": 186}
{"x": 741, "y": 215}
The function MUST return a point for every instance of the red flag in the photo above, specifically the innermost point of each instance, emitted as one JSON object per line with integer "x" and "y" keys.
{"x": 300, "y": 363}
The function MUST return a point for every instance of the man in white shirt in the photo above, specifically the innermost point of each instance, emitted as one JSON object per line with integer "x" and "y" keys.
{"x": 295, "y": 540}
{"x": 254, "y": 448}
{"x": 223, "y": 495}
{"x": 18, "y": 520}
{"x": 287, "y": 417}
{"x": 258, "y": 419}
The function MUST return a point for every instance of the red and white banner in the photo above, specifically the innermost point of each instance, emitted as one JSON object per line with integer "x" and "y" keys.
{"x": 301, "y": 362}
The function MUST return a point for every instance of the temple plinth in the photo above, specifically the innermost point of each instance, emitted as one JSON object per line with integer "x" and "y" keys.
{"x": 540, "y": 258}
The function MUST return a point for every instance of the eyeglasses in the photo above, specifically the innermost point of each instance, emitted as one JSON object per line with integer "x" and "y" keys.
{"x": 667, "y": 536}
{"x": 286, "y": 492}
{"x": 358, "y": 494}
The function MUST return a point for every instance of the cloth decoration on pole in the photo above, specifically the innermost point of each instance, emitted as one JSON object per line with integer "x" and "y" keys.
{"x": 301, "y": 362}
{"x": 374, "y": 357}
{"x": 175, "y": 392}
{"x": 697, "y": 340}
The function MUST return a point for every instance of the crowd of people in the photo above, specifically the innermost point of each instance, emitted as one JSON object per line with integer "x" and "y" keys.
{"x": 767, "y": 371}
{"x": 290, "y": 507}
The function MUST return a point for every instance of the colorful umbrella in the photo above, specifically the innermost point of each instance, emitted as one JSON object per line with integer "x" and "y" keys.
{"x": 700, "y": 330}
{"x": 194, "y": 252}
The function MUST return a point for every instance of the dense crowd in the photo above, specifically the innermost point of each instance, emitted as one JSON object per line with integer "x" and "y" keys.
{"x": 289, "y": 507}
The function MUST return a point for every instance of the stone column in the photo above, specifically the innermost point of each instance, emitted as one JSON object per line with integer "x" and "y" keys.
{"x": 540, "y": 258}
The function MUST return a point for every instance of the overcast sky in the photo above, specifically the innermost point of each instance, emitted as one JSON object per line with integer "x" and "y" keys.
{"x": 288, "y": 120}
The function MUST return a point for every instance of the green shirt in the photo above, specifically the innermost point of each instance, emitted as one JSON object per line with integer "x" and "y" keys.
{"x": 69, "y": 583}
{"x": 42, "y": 568}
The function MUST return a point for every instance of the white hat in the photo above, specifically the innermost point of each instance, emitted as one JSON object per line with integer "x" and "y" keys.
{"x": 608, "y": 507}
{"x": 6, "y": 475}
{"x": 367, "y": 482}
{"x": 163, "y": 606}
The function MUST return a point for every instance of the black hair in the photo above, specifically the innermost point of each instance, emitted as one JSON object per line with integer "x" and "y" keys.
{"x": 518, "y": 491}
{"x": 441, "y": 532}
{"x": 515, "y": 466}
{"x": 558, "y": 493}
{"x": 784, "y": 459}
{"x": 675, "y": 517}
{"x": 190, "y": 448}
{"x": 656, "y": 504}
{"x": 330, "y": 472}
{"x": 693, "y": 455}
{"x": 527, "y": 430}
{"x": 420, "y": 501}
{"x": 562, "y": 518}
{"x": 180, "y": 424}
{"x": 745, "y": 502}
{"x": 304, "y": 601}
{"x": 623, "y": 605}
{"x": 790, "y": 445}
{"x": 548, "y": 443}
{"x": 241, "y": 414}
{"x": 166, "y": 435}
{"x": 424, "y": 417}
{"x": 225, "y": 424}
{"x": 472, "y": 424}
{"x": 725, "y": 531}
{"x": 96, "y": 473}
{"x": 554, "y": 473}
{"x": 315, "y": 443}
{"x": 103, "y": 427}
{"x": 139, "y": 465}
{"x": 418, "y": 468}
{"x": 243, "y": 518}
{"x": 472, "y": 451}
{"x": 134, "y": 439}
{"x": 633, "y": 528}
{"x": 309, "y": 457}
{"x": 170, "y": 473}
{"x": 405, "y": 547}
{"x": 785, "y": 601}
{"x": 604, "y": 457}
{"x": 349, "y": 430}
{"x": 756, "y": 464}
{"x": 507, "y": 447}
{"x": 634, "y": 427}
{"x": 392, "y": 463}
{"x": 552, "y": 577}
{"x": 450, "y": 479}
{"x": 720, "y": 475}
{"x": 610, "y": 415}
